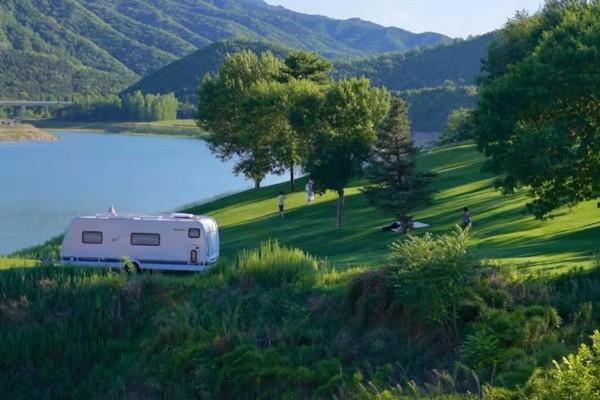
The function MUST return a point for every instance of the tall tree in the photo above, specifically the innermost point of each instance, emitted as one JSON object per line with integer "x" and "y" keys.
{"x": 348, "y": 117}
{"x": 221, "y": 109}
{"x": 538, "y": 114}
{"x": 265, "y": 127}
{"x": 301, "y": 67}
{"x": 396, "y": 186}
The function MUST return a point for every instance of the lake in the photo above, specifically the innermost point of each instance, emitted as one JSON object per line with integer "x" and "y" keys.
{"x": 44, "y": 185}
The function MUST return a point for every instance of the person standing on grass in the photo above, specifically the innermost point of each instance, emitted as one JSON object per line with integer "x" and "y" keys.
{"x": 281, "y": 204}
{"x": 310, "y": 194}
{"x": 466, "y": 219}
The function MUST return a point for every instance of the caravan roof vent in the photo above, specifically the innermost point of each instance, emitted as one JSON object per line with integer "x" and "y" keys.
{"x": 182, "y": 216}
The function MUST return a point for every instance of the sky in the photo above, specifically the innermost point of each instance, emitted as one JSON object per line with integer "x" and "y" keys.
{"x": 455, "y": 18}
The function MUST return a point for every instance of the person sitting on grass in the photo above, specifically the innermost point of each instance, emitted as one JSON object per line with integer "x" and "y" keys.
{"x": 281, "y": 204}
{"x": 403, "y": 225}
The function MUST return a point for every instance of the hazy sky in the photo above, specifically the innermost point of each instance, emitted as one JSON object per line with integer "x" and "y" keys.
{"x": 456, "y": 18}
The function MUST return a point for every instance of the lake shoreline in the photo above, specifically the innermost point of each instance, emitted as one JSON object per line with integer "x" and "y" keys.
{"x": 177, "y": 128}
{"x": 86, "y": 173}
{"x": 24, "y": 133}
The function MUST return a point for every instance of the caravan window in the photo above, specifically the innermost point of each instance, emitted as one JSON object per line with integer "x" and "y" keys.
{"x": 194, "y": 233}
{"x": 145, "y": 239}
{"x": 90, "y": 237}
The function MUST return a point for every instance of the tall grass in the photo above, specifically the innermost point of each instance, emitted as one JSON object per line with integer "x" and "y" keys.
{"x": 272, "y": 265}
{"x": 58, "y": 322}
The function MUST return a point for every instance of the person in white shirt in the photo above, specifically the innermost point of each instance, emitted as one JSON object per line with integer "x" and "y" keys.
{"x": 281, "y": 204}
{"x": 310, "y": 194}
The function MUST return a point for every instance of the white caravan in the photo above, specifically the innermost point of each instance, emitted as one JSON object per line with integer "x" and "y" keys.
{"x": 170, "y": 242}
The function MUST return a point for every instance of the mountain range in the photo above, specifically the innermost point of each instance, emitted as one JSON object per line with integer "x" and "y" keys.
{"x": 58, "y": 48}
{"x": 458, "y": 61}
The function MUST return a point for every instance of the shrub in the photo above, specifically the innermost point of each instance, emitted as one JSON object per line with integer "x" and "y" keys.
{"x": 436, "y": 276}
{"x": 248, "y": 372}
{"x": 577, "y": 377}
{"x": 272, "y": 265}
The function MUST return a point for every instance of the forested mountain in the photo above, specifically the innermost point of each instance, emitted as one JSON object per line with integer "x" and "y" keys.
{"x": 430, "y": 107}
{"x": 459, "y": 61}
{"x": 183, "y": 76}
{"x": 421, "y": 77}
{"x": 132, "y": 38}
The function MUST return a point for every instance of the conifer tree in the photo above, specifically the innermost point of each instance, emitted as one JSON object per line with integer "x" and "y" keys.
{"x": 396, "y": 186}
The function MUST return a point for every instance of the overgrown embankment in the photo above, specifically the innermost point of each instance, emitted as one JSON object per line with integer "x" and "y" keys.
{"x": 23, "y": 132}
{"x": 279, "y": 323}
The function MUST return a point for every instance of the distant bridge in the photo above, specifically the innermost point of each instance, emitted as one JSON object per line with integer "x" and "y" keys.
{"x": 26, "y": 103}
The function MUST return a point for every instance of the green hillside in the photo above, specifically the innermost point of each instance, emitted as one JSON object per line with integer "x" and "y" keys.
{"x": 503, "y": 232}
{"x": 31, "y": 75}
{"x": 133, "y": 38}
{"x": 183, "y": 76}
{"x": 430, "y": 106}
{"x": 459, "y": 62}
{"x": 311, "y": 328}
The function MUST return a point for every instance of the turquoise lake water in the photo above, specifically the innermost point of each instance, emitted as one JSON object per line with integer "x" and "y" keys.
{"x": 44, "y": 185}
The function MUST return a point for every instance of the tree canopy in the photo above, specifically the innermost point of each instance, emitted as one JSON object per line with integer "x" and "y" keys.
{"x": 222, "y": 107}
{"x": 349, "y": 116}
{"x": 538, "y": 115}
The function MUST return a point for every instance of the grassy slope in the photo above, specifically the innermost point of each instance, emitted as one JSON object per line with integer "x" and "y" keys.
{"x": 502, "y": 232}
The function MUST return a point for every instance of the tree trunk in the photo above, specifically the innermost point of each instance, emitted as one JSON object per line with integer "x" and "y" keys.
{"x": 292, "y": 180}
{"x": 257, "y": 183}
{"x": 340, "y": 205}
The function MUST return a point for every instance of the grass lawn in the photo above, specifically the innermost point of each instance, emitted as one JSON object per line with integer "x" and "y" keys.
{"x": 502, "y": 230}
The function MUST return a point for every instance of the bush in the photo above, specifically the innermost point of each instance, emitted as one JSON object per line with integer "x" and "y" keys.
{"x": 272, "y": 265}
{"x": 577, "y": 377}
{"x": 436, "y": 277}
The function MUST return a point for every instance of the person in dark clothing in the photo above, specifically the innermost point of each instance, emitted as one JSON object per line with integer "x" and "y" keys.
{"x": 403, "y": 226}
{"x": 466, "y": 219}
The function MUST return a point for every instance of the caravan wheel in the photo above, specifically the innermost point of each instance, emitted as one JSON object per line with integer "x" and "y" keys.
{"x": 127, "y": 266}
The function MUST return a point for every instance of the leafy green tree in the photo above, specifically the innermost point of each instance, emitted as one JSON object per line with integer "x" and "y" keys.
{"x": 538, "y": 115}
{"x": 135, "y": 106}
{"x": 265, "y": 129}
{"x": 459, "y": 127}
{"x": 349, "y": 115}
{"x": 222, "y": 106}
{"x": 395, "y": 184}
{"x": 152, "y": 108}
{"x": 301, "y": 65}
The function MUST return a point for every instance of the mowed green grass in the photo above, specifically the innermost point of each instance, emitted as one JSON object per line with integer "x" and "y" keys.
{"x": 502, "y": 231}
